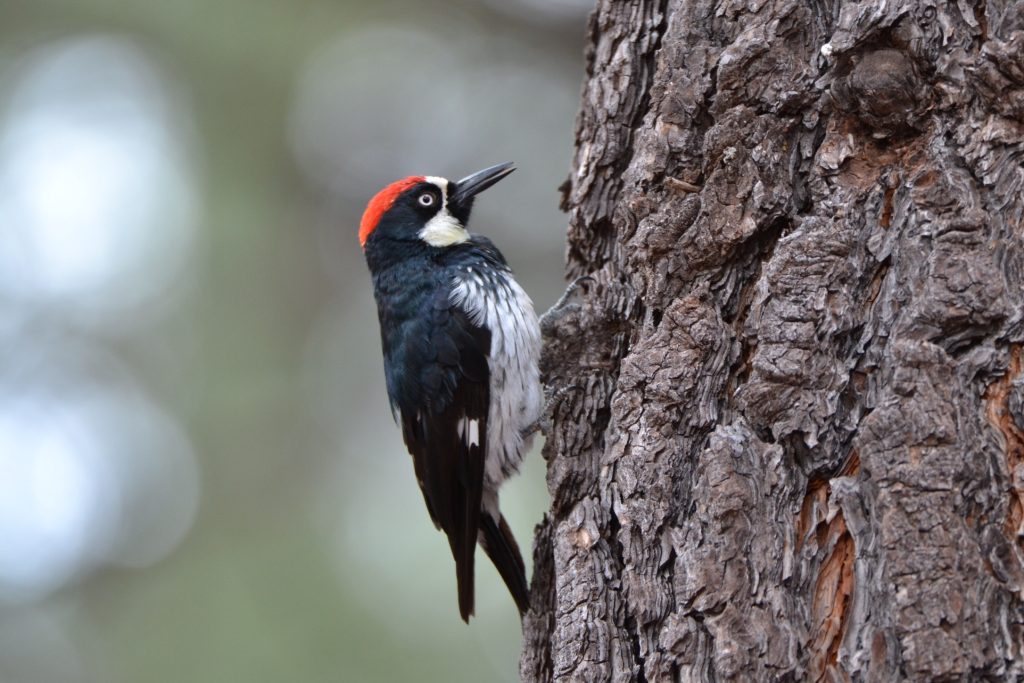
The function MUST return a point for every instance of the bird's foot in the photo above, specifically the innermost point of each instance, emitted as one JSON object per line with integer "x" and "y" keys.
{"x": 544, "y": 423}
{"x": 568, "y": 303}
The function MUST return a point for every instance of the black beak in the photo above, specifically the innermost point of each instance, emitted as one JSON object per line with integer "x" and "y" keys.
{"x": 477, "y": 182}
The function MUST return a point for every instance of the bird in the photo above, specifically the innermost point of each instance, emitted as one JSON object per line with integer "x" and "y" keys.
{"x": 461, "y": 344}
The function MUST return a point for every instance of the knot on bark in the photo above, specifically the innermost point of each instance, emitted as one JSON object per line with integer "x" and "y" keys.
{"x": 884, "y": 91}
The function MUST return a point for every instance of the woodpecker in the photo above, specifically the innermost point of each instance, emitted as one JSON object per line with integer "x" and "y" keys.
{"x": 461, "y": 344}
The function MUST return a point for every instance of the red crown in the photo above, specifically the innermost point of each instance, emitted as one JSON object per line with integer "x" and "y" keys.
{"x": 381, "y": 202}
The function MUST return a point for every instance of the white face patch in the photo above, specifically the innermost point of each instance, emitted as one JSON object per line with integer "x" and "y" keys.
{"x": 443, "y": 230}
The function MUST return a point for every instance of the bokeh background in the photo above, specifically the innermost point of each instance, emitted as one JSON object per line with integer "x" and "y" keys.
{"x": 199, "y": 475}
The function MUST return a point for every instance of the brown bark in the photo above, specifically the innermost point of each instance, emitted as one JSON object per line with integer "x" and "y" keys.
{"x": 787, "y": 416}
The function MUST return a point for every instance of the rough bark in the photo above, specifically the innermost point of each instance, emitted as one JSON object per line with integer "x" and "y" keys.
{"x": 787, "y": 415}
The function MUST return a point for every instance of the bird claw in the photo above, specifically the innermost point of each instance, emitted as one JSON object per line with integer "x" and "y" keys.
{"x": 565, "y": 304}
{"x": 544, "y": 423}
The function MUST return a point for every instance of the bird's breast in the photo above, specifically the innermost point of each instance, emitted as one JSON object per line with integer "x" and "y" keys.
{"x": 494, "y": 300}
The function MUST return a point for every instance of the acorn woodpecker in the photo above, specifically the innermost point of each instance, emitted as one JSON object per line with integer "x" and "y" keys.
{"x": 461, "y": 344}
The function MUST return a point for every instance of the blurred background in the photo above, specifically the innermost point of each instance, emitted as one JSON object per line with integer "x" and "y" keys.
{"x": 200, "y": 479}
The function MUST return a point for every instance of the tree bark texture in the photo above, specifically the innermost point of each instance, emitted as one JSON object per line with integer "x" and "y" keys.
{"x": 787, "y": 406}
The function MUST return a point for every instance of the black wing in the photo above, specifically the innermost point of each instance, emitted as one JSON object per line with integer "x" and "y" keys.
{"x": 446, "y": 433}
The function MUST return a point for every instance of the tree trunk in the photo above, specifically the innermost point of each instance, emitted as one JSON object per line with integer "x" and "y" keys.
{"x": 787, "y": 415}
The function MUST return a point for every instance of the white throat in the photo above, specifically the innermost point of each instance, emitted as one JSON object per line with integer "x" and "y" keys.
{"x": 444, "y": 229}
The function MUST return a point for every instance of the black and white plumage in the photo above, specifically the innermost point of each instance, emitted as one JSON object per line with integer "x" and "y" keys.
{"x": 461, "y": 344}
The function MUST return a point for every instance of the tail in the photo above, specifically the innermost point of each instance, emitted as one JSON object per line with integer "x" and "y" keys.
{"x": 464, "y": 548}
{"x": 464, "y": 579}
{"x": 500, "y": 545}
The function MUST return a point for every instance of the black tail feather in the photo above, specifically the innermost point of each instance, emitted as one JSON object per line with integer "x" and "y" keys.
{"x": 500, "y": 545}
{"x": 464, "y": 551}
{"x": 464, "y": 548}
{"x": 464, "y": 577}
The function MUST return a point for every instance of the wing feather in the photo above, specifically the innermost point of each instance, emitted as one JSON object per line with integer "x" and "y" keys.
{"x": 447, "y": 433}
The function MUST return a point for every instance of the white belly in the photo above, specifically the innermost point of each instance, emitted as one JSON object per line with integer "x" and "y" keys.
{"x": 497, "y": 302}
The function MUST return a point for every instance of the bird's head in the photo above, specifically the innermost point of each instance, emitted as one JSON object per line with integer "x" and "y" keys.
{"x": 425, "y": 209}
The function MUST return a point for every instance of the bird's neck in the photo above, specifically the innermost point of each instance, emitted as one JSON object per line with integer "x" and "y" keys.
{"x": 384, "y": 255}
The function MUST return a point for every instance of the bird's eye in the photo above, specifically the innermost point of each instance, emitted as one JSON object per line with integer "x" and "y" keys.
{"x": 426, "y": 199}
